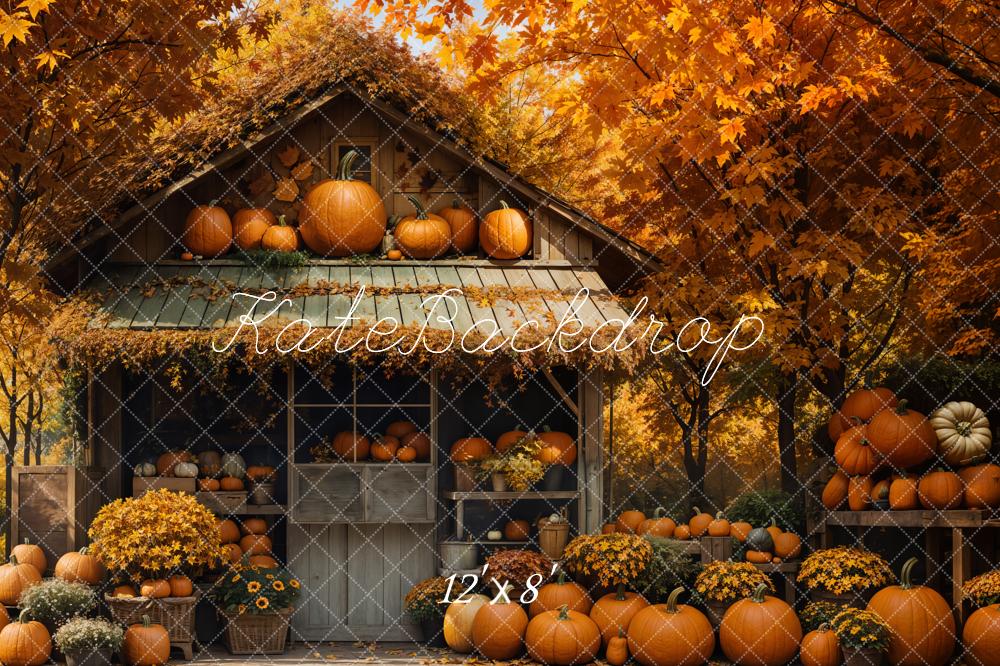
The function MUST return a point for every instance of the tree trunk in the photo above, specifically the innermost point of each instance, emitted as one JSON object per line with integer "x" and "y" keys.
{"x": 695, "y": 469}
{"x": 787, "y": 389}
{"x": 8, "y": 498}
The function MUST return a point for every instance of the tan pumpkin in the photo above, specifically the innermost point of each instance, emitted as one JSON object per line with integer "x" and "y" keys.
{"x": 982, "y": 486}
{"x": 505, "y": 233}
{"x": 15, "y": 578}
{"x": 562, "y": 638}
{"x": 458, "y": 621}
{"x": 351, "y": 446}
{"x": 629, "y": 521}
{"x": 671, "y": 634}
{"x": 29, "y": 553}
{"x": 963, "y": 433}
{"x": 940, "y": 490}
{"x": 553, "y": 596}
{"x": 281, "y": 237}
{"x": 422, "y": 235}
{"x": 249, "y": 225}
{"x": 835, "y": 491}
{"x": 903, "y": 494}
{"x": 208, "y": 231}
{"x": 760, "y": 631}
{"x": 463, "y": 224}
{"x": 498, "y": 630}
{"x": 615, "y": 610}
{"x": 820, "y": 647}
{"x": 341, "y": 217}
{"x": 80, "y": 567}
{"x": 154, "y": 588}
{"x": 25, "y": 643}
{"x": 146, "y": 644}
{"x": 903, "y": 437}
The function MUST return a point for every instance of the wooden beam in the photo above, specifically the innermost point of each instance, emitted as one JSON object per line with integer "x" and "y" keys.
{"x": 562, "y": 392}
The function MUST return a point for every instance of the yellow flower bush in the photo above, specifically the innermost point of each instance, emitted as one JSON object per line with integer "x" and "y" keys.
{"x": 843, "y": 569}
{"x": 861, "y": 630}
{"x": 255, "y": 590}
{"x": 984, "y": 590}
{"x": 155, "y": 535}
{"x": 729, "y": 581}
{"x": 615, "y": 559}
{"x": 424, "y": 601}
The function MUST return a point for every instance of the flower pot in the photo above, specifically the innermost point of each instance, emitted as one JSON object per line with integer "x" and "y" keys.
{"x": 714, "y": 610}
{"x": 102, "y": 657}
{"x": 251, "y": 633}
{"x": 433, "y": 632}
{"x": 552, "y": 539}
{"x": 499, "y": 482}
{"x": 465, "y": 480}
{"x": 862, "y": 656}
{"x": 553, "y": 477}
{"x": 855, "y": 599}
{"x": 457, "y": 555}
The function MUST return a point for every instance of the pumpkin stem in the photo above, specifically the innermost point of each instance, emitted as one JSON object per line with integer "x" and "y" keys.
{"x": 346, "y": 168}
{"x": 503, "y": 204}
{"x": 672, "y": 600}
{"x": 696, "y": 510}
{"x": 659, "y": 512}
{"x": 564, "y": 612}
{"x": 561, "y": 579}
{"x": 393, "y": 221}
{"x": 455, "y": 203}
{"x": 26, "y": 542}
{"x": 24, "y": 616}
{"x": 281, "y": 221}
{"x": 824, "y": 627}
{"x": 720, "y": 515}
{"x": 13, "y": 560}
{"x": 421, "y": 211}
{"x": 901, "y": 406}
{"x": 83, "y": 551}
{"x": 146, "y": 622}
{"x": 620, "y": 592}
{"x": 904, "y": 575}
{"x": 758, "y": 593}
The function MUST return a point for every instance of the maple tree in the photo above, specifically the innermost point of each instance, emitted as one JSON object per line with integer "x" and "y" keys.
{"x": 790, "y": 160}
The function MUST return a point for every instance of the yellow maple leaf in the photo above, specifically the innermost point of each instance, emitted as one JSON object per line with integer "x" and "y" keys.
{"x": 302, "y": 170}
{"x": 49, "y": 59}
{"x": 286, "y": 189}
{"x": 14, "y": 27}
{"x": 760, "y": 30}
{"x": 35, "y": 6}
{"x": 731, "y": 129}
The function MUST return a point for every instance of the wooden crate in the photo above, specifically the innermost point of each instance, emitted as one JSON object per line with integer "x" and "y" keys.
{"x": 222, "y": 501}
{"x": 53, "y": 505}
{"x": 143, "y": 484}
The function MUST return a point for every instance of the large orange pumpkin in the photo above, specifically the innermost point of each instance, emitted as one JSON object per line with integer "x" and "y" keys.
{"x": 903, "y": 494}
{"x": 558, "y": 448}
{"x": 981, "y": 636}
{"x": 208, "y": 231}
{"x": 923, "y": 627}
{"x": 820, "y": 647}
{"x": 658, "y": 525}
{"x": 25, "y": 643}
{"x": 629, "y": 521}
{"x": 982, "y": 486}
{"x": 464, "y": 229}
{"x": 509, "y": 439}
{"x": 562, "y": 638}
{"x": 16, "y": 577}
{"x": 29, "y": 553}
{"x": 470, "y": 449}
{"x": 351, "y": 446}
{"x": 422, "y": 235}
{"x": 902, "y": 436}
{"x": 256, "y": 544}
{"x": 80, "y": 567}
{"x": 458, "y": 621}
{"x": 505, "y": 233}
{"x": 166, "y": 462}
{"x": 552, "y": 596}
{"x": 498, "y": 630}
{"x": 854, "y": 453}
{"x": 835, "y": 491}
{"x": 229, "y": 532}
{"x": 940, "y": 490}
{"x": 671, "y": 634}
{"x": 398, "y": 429}
{"x": 865, "y": 403}
{"x": 180, "y": 586}
{"x": 418, "y": 441}
{"x": 253, "y": 526}
{"x": 859, "y": 493}
{"x": 249, "y": 225}
{"x": 787, "y": 546}
{"x": 760, "y": 631}
{"x": 615, "y": 610}
{"x": 342, "y": 217}
{"x": 281, "y": 237}
{"x": 699, "y": 522}
{"x": 146, "y": 644}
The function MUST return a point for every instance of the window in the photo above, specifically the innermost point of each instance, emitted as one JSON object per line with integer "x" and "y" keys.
{"x": 363, "y": 164}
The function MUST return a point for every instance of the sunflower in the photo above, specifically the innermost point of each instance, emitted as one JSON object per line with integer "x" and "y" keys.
{"x": 294, "y": 583}
{"x": 278, "y": 586}
{"x": 262, "y": 603}
{"x": 253, "y": 587}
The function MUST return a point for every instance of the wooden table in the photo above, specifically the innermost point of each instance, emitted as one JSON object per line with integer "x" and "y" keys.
{"x": 933, "y": 524}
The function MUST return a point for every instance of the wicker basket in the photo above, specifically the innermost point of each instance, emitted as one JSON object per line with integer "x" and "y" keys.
{"x": 176, "y": 614}
{"x": 257, "y": 634}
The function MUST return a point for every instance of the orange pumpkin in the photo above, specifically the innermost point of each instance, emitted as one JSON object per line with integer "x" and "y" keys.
{"x": 25, "y": 643}
{"x": 609, "y": 528}
{"x": 15, "y": 578}
{"x": 233, "y": 552}
{"x": 384, "y": 449}
{"x": 419, "y": 441}
{"x": 422, "y": 235}
{"x": 820, "y": 647}
{"x": 859, "y": 493}
{"x": 562, "y": 592}
{"x": 671, "y": 634}
{"x": 562, "y": 638}
{"x": 505, "y": 233}
{"x": 787, "y": 545}
{"x": 629, "y": 521}
{"x": 146, "y": 644}
{"x": 29, "y": 553}
{"x": 865, "y": 403}
{"x": 464, "y": 229}
{"x": 154, "y": 588}
{"x": 208, "y": 485}
{"x": 509, "y": 439}
{"x": 517, "y": 530}
{"x": 982, "y": 486}
{"x": 940, "y": 490}
{"x": 470, "y": 449}
{"x": 249, "y": 225}
{"x": 229, "y": 532}
{"x": 399, "y": 429}
{"x": 682, "y": 532}
{"x": 80, "y": 567}
{"x": 253, "y": 526}
{"x": 658, "y": 525}
{"x": 498, "y": 630}
{"x": 981, "y": 636}
{"x": 835, "y": 491}
{"x": 281, "y": 237}
{"x": 740, "y": 530}
{"x": 406, "y": 454}
{"x": 256, "y": 544}
{"x": 719, "y": 527}
{"x": 126, "y": 591}
{"x": 699, "y": 522}
{"x": 393, "y": 255}
{"x": 166, "y": 462}
{"x": 758, "y": 556}
{"x": 614, "y": 611}
{"x": 351, "y": 446}
{"x": 903, "y": 494}
{"x": 187, "y": 256}
{"x": 902, "y": 436}
{"x": 263, "y": 561}
{"x": 923, "y": 627}
{"x": 180, "y": 586}
{"x": 342, "y": 217}
{"x": 837, "y": 425}
{"x": 760, "y": 631}
{"x": 617, "y": 652}
{"x": 208, "y": 231}
{"x": 557, "y": 448}
{"x": 260, "y": 472}
{"x": 231, "y": 484}
{"x": 854, "y": 453}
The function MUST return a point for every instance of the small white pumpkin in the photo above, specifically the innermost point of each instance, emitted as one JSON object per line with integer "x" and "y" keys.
{"x": 145, "y": 469}
{"x": 185, "y": 470}
{"x": 233, "y": 465}
{"x": 494, "y": 535}
{"x": 963, "y": 433}
{"x": 555, "y": 518}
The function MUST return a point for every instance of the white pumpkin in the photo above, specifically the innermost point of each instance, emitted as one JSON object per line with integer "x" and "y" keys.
{"x": 963, "y": 433}
{"x": 494, "y": 535}
{"x": 233, "y": 465}
{"x": 185, "y": 470}
{"x": 145, "y": 469}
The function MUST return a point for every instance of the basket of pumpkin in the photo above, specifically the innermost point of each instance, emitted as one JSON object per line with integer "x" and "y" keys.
{"x": 151, "y": 545}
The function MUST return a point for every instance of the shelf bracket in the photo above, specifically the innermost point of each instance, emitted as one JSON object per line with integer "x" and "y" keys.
{"x": 562, "y": 392}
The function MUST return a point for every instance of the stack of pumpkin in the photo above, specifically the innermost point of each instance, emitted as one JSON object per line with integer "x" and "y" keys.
{"x": 878, "y": 439}
{"x": 554, "y": 448}
{"x": 402, "y": 442}
{"x": 217, "y": 471}
{"x": 564, "y": 626}
{"x": 248, "y": 538}
{"x": 28, "y": 563}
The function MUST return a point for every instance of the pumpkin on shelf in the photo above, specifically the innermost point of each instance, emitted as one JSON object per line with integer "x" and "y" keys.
{"x": 399, "y": 429}
{"x": 422, "y": 235}
{"x": 124, "y": 591}
{"x": 231, "y": 484}
{"x": 458, "y": 621}
{"x": 342, "y": 216}
{"x": 154, "y": 588}
{"x": 820, "y": 647}
{"x": 982, "y": 486}
{"x": 418, "y": 441}
{"x": 232, "y": 464}
{"x": 350, "y": 446}
{"x": 209, "y": 485}
{"x": 208, "y": 231}
{"x": 180, "y": 586}
{"x": 903, "y": 494}
{"x": 740, "y": 530}
{"x": 406, "y": 454}
{"x": 80, "y": 567}
{"x": 562, "y": 638}
{"x": 923, "y": 627}
{"x": 25, "y": 642}
{"x": 253, "y": 526}
{"x": 505, "y": 233}
{"x": 260, "y": 472}
{"x": 659, "y": 525}
{"x": 470, "y": 449}
{"x": 281, "y": 237}
{"x": 902, "y": 436}
{"x": 463, "y": 224}
{"x": 760, "y": 539}
{"x": 682, "y": 532}
{"x": 209, "y": 463}
{"x": 229, "y": 531}
{"x": 864, "y": 403}
{"x": 629, "y": 521}
{"x": 498, "y": 630}
{"x": 557, "y": 448}
{"x": 145, "y": 469}
{"x": 510, "y": 438}
{"x": 249, "y": 226}
{"x": 562, "y": 592}
{"x": 760, "y": 631}
{"x": 671, "y": 634}
{"x": 854, "y": 453}
{"x": 384, "y": 448}
{"x": 30, "y": 553}
{"x": 940, "y": 490}
{"x": 166, "y": 462}
{"x": 699, "y": 522}
{"x": 517, "y": 530}
{"x": 719, "y": 527}
{"x": 233, "y": 552}
{"x": 146, "y": 644}
{"x": 256, "y": 544}
{"x": 16, "y": 577}
{"x": 835, "y": 491}
{"x": 963, "y": 433}
{"x": 759, "y": 557}
{"x": 394, "y": 255}
{"x": 615, "y": 610}
{"x": 859, "y": 493}
{"x": 185, "y": 470}
{"x": 787, "y": 545}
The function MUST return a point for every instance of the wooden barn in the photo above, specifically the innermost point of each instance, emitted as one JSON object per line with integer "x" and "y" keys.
{"x": 359, "y": 533}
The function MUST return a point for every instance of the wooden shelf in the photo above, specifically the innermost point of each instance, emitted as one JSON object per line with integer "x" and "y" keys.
{"x": 486, "y": 495}
{"x": 363, "y": 405}
{"x": 909, "y": 519}
{"x": 255, "y": 510}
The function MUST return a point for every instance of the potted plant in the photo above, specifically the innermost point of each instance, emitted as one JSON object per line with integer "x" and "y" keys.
{"x": 669, "y": 568}
{"x": 424, "y": 603}
{"x": 54, "y": 602}
{"x": 863, "y": 636}
{"x": 515, "y": 567}
{"x": 605, "y": 562}
{"x": 817, "y": 613}
{"x": 89, "y": 642}
{"x": 516, "y": 468}
{"x": 722, "y": 583}
{"x": 844, "y": 575}
{"x": 466, "y": 455}
{"x": 982, "y": 627}
{"x": 256, "y": 604}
